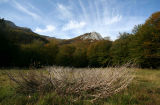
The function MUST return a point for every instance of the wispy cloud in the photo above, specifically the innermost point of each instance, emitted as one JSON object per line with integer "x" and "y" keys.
{"x": 97, "y": 10}
{"x": 113, "y": 19}
{"x": 73, "y": 25}
{"x": 25, "y": 10}
{"x": 47, "y": 30}
{"x": 85, "y": 14}
{"x": 70, "y": 18}
{"x": 64, "y": 11}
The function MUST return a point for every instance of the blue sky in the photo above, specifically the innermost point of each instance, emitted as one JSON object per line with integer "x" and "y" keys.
{"x": 70, "y": 18}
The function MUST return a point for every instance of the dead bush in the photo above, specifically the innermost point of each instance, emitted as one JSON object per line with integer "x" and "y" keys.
{"x": 91, "y": 84}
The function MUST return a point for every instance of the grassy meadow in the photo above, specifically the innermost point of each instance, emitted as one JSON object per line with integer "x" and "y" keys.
{"x": 143, "y": 90}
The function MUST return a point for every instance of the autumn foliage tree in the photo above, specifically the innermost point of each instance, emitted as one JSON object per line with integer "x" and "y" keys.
{"x": 99, "y": 53}
{"x": 8, "y": 49}
{"x": 120, "y": 49}
{"x": 80, "y": 57}
{"x": 65, "y": 55}
{"x": 147, "y": 43}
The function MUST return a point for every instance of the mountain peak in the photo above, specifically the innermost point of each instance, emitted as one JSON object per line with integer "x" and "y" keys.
{"x": 91, "y": 36}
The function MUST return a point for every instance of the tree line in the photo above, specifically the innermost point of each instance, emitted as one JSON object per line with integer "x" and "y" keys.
{"x": 141, "y": 47}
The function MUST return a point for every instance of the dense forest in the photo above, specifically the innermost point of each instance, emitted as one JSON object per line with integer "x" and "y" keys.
{"x": 20, "y": 47}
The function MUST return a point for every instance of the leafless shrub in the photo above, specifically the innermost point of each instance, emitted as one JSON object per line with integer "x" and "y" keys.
{"x": 30, "y": 82}
{"x": 86, "y": 83}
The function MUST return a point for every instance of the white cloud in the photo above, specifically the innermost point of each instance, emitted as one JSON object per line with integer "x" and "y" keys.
{"x": 73, "y": 25}
{"x": 113, "y": 20}
{"x": 25, "y": 10}
{"x": 48, "y": 29}
{"x": 85, "y": 14}
{"x": 64, "y": 11}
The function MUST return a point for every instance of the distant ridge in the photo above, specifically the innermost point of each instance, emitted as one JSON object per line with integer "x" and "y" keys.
{"x": 12, "y": 25}
{"x": 18, "y": 34}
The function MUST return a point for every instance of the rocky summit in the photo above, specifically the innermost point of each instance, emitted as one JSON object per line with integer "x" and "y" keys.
{"x": 92, "y": 36}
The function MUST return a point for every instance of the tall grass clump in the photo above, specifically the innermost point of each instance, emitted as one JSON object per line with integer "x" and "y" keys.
{"x": 88, "y": 84}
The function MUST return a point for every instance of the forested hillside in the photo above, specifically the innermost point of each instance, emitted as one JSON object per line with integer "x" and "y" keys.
{"x": 20, "y": 47}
